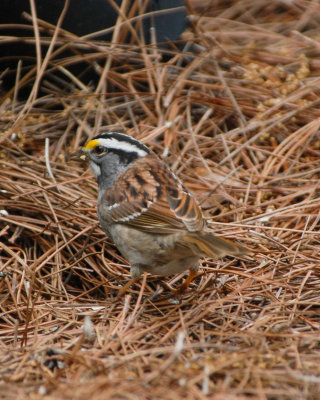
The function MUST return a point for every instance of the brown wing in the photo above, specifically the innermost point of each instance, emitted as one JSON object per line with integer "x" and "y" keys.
{"x": 149, "y": 197}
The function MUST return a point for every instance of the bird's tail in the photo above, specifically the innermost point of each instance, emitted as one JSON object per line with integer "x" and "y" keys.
{"x": 208, "y": 245}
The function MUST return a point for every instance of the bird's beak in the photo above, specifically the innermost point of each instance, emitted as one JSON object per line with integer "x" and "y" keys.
{"x": 79, "y": 155}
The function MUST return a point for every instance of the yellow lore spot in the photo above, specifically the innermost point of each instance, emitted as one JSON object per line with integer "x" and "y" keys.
{"x": 91, "y": 145}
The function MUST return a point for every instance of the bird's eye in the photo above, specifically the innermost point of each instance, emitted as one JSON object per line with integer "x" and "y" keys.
{"x": 99, "y": 150}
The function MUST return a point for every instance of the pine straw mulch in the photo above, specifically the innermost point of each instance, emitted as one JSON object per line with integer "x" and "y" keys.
{"x": 236, "y": 114}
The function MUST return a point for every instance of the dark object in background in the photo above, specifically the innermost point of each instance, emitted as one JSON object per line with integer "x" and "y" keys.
{"x": 83, "y": 17}
{"x": 87, "y": 16}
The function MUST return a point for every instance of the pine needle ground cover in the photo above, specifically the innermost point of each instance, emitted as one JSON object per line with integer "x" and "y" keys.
{"x": 234, "y": 110}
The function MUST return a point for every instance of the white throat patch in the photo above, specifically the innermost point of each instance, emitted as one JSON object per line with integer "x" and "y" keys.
{"x": 95, "y": 169}
{"x": 113, "y": 143}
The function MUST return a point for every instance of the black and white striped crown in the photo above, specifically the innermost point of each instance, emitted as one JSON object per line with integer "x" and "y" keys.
{"x": 118, "y": 143}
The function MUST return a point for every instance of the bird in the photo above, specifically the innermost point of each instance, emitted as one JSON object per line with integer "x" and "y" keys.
{"x": 148, "y": 213}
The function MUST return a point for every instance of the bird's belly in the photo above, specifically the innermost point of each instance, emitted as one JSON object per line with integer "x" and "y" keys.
{"x": 157, "y": 254}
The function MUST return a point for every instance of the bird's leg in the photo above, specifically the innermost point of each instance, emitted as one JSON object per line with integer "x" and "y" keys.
{"x": 193, "y": 274}
{"x": 125, "y": 288}
{"x": 135, "y": 273}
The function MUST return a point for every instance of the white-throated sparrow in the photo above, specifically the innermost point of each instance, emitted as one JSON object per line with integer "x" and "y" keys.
{"x": 148, "y": 213}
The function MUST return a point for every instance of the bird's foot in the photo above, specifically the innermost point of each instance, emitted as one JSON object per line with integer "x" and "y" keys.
{"x": 184, "y": 287}
{"x": 124, "y": 289}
